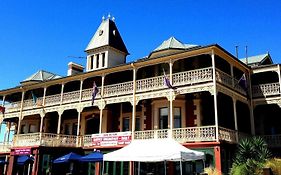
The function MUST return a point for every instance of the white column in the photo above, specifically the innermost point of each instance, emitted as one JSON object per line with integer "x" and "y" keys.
{"x": 78, "y": 122}
{"x": 215, "y": 95}
{"x": 81, "y": 89}
{"x": 3, "y": 102}
{"x": 235, "y": 118}
{"x": 59, "y": 122}
{"x": 279, "y": 79}
{"x": 44, "y": 96}
{"x": 171, "y": 98}
{"x": 232, "y": 75}
{"x": 250, "y": 104}
{"x": 41, "y": 126}
{"x": 21, "y": 107}
{"x": 61, "y": 93}
{"x": 101, "y": 109}
{"x": 134, "y": 102}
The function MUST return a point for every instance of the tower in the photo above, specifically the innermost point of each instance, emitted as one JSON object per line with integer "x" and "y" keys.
{"x": 106, "y": 48}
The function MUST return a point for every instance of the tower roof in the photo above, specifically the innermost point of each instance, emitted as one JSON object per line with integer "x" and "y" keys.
{"x": 107, "y": 34}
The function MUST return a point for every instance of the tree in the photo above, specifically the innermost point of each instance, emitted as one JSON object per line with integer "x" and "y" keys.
{"x": 250, "y": 157}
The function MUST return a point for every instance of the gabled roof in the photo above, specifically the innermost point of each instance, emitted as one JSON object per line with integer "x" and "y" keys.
{"x": 258, "y": 60}
{"x": 173, "y": 43}
{"x": 107, "y": 35}
{"x": 41, "y": 76}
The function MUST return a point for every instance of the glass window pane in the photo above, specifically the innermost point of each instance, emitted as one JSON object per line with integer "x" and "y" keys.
{"x": 126, "y": 124}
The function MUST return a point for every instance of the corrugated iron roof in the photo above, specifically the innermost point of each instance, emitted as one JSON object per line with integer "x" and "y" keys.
{"x": 41, "y": 75}
{"x": 173, "y": 43}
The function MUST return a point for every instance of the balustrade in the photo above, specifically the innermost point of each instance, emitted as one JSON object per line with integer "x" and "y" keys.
{"x": 193, "y": 76}
{"x": 227, "y": 135}
{"x": 13, "y": 107}
{"x": 71, "y": 96}
{"x": 118, "y": 89}
{"x": 266, "y": 89}
{"x": 45, "y": 139}
{"x": 273, "y": 140}
{"x": 52, "y": 99}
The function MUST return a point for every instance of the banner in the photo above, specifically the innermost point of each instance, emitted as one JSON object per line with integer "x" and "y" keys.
{"x": 112, "y": 139}
{"x": 22, "y": 151}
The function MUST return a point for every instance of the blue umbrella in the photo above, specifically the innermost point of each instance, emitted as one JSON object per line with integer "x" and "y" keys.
{"x": 24, "y": 159}
{"x": 92, "y": 157}
{"x": 68, "y": 158}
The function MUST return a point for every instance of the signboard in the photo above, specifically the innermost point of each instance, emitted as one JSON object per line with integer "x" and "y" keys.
{"x": 112, "y": 139}
{"x": 22, "y": 151}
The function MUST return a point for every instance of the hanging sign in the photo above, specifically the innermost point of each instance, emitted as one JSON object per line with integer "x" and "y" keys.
{"x": 22, "y": 151}
{"x": 111, "y": 139}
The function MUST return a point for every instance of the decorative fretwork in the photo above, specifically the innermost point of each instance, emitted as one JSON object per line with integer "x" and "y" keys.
{"x": 229, "y": 81}
{"x": 118, "y": 89}
{"x": 45, "y": 139}
{"x": 268, "y": 89}
{"x": 71, "y": 96}
{"x": 227, "y": 135}
{"x": 52, "y": 100}
{"x": 150, "y": 84}
{"x": 87, "y": 93}
{"x": 13, "y": 107}
{"x": 5, "y": 147}
{"x": 195, "y": 134}
{"x": 193, "y": 76}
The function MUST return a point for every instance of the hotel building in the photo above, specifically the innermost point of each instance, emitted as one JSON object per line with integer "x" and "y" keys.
{"x": 216, "y": 100}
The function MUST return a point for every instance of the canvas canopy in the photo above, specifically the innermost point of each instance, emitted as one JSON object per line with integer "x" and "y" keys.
{"x": 154, "y": 150}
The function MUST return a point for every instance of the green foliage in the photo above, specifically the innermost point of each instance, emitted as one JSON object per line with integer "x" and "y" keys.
{"x": 211, "y": 171}
{"x": 275, "y": 165}
{"x": 250, "y": 157}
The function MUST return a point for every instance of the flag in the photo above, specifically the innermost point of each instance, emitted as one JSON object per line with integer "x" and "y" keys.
{"x": 243, "y": 82}
{"x": 94, "y": 92}
{"x": 2, "y": 109}
{"x": 34, "y": 98}
{"x": 167, "y": 81}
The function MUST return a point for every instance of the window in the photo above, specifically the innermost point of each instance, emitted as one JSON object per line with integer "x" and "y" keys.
{"x": 103, "y": 59}
{"x": 74, "y": 128}
{"x": 163, "y": 118}
{"x": 32, "y": 128}
{"x": 92, "y": 62}
{"x": 23, "y": 129}
{"x": 97, "y": 60}
{"x": 67, "y": 129}
{"x": 138, "y": 124}
{"x": 177, "y": 117}
{"x": 126, "y": 124}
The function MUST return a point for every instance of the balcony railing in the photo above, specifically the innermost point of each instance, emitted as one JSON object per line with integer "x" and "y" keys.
{"x": 5, "y": 147}
{"x": 45, "y": 139}
{"x": 182, "y": 135}
{"x": 273, "y": 140}
{"x": 264, "y": 90}
{"x": 126, "y": 88}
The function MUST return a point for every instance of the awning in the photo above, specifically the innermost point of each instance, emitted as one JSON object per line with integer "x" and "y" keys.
{"x": 24, "y": 160}
{"x": 92, "y": 157}
{"x": 154, "y": 150}
{"x": 68, "y": 158}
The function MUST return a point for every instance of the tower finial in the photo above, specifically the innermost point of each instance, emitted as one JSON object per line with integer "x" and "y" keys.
{"x": 113, "y": 18}
{"x": 103, "y": 18}
{"x": 108, "y": 16}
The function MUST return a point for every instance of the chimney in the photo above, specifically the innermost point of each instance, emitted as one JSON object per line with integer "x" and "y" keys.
{"x": 74, "y": 68}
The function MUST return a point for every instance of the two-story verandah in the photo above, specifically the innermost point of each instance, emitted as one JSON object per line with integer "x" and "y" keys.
{"x": 209, "y": 107}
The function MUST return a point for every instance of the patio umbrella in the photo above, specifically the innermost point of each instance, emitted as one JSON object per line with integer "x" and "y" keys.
{"x": 92, "y": 157}
{"x": 24, "y": 159}
{"x": 68, "y": 158}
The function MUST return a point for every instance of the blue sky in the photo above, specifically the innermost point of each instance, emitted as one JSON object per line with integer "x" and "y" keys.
{"x": 42, "y": 34}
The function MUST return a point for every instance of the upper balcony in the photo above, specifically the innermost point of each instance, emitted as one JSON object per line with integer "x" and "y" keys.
{"x": 180, "y": 79}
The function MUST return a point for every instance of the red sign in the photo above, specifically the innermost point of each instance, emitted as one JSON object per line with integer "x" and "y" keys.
{"x": 111, "y": 139}
{"x": 22, "y": 151}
